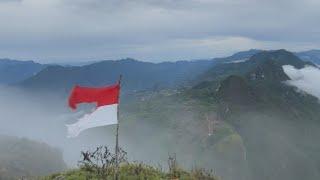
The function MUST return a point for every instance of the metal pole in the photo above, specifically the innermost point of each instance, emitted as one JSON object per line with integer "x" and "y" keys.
{"x": 117, "y": 135}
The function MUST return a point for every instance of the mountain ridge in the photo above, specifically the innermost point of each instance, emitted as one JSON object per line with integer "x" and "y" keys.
{"x": 137, "y": 75}
{"x": 150, "y": 75}
{"x": 154, "y": 75}
{"x": 14, "y": 71}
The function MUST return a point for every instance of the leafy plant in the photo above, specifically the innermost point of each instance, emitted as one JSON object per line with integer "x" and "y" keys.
{"x": 102, "y": 161}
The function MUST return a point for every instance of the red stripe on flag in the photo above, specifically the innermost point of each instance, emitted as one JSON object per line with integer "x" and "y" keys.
{"x": 101, "y": 96}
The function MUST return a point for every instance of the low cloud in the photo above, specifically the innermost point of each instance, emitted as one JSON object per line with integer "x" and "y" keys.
{"x": 306, "y": 79}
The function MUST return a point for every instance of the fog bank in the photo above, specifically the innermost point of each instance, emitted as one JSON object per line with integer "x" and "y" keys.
{"x": 306, "y": 79}
{"x": 42, "y": 117}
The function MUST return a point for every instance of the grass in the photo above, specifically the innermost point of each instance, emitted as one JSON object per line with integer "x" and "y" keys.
{"x": 136, "y": 171}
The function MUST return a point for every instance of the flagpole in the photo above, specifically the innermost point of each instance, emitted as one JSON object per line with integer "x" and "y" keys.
{"x": 117, "y": 135}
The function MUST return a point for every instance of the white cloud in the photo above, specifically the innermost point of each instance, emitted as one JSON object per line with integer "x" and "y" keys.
{"x": 306, "y": 79}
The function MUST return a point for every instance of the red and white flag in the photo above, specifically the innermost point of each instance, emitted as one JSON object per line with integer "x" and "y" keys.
{"x": 105, "y": 113}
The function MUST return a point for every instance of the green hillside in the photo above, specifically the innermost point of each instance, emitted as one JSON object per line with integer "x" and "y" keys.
{"x": 25, "y": 158}
{"x": 276, "y": 122}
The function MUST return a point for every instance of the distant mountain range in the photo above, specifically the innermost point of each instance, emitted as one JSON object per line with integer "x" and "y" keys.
{"x": 137, "y": 75}
{"x": 238, "y": 57}
{"x": 14, "y": 71}
{"x": 312, "y": 56}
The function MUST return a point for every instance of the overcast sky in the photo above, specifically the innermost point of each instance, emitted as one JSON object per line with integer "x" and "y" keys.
{"x": 153, "y": 30}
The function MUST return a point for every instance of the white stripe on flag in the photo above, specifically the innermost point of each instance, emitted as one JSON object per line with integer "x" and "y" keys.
{"x": 102, "y": 116}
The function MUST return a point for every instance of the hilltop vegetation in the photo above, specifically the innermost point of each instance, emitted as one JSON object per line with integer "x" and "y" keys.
{"x": 101, "y": 164}
{"x": 134, "y": 172}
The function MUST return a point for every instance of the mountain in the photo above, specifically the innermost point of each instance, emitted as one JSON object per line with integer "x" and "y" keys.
{"x": 137, "y": 75}
{"x": 277, "y": 123}
{"x": 239, "y": 56}
{"x": 278, "y": 57}
{"x": 311, "y": 55}
{"x": 14, "y": 71}
{"x": 241, "y": 121}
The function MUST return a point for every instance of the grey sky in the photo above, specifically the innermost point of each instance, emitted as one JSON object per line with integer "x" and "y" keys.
{"x": 153, "y": 30}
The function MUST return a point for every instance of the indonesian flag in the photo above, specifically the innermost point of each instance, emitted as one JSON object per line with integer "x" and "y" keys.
{"x": 105, "y": 113}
